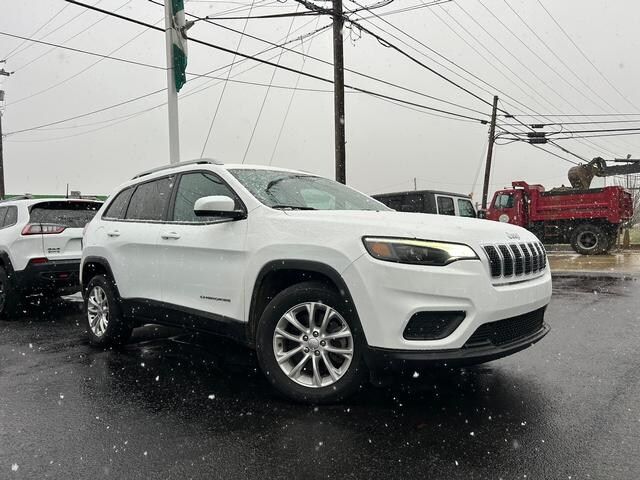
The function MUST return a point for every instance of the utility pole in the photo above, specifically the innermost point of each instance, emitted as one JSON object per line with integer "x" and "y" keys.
{"x": 172, "y": 93}
{"x": 3, "y": 73}
{"x": 338, "y": 91}
{"x": 2, "y": 193}
{"x": 492, "y": 139}
{"x": 415, "y": 183}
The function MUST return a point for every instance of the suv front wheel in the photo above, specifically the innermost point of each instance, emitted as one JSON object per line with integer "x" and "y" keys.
{"x": 307, "y": 346}
{"x": 105, "y": 324}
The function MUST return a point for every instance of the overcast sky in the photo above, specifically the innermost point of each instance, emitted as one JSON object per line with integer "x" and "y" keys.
{"x": 387, "y": 145}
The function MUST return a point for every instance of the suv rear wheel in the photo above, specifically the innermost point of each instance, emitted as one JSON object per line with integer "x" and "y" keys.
{"x": 307, "y": 346}
{"x": 9, "y": 298}
{"x": 105, "y": 324}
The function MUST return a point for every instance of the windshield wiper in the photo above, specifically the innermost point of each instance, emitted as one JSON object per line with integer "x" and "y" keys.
{"x": 292, "y": 207}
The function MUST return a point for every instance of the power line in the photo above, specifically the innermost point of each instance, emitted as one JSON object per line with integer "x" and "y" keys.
{"x": 584, "y": 55}
{"x": 413, "y": 59}
{"x": 266, "y": 94}
{"x": 93, "y": 112}
{"x": 89, "y": 27}
{"x": 8, "y": 55}
{"x": 283, "y": 67}
{"x": 540, "y": 96}
{"x": 67, "y": 79}
{"x": 536, "y": 55}
{"x": 293, "y": 93}
{"x": 437, "y": 53}
{"x": 554, "y": 154}
{"x": 553, "y": 52}
{"x": 355, "y": 72}
{"x": 542, "y": 60}
{"x": 224, "y": 87}
{"x": 192, "y": 92}
{"x": 78, "y": 50}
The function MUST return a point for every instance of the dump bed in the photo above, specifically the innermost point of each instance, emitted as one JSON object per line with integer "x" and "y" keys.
{"x": 613, "y": 204}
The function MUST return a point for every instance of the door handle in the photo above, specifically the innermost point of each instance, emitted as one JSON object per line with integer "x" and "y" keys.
{"x": 170, "y": 236}
{"x": 113, "y": 233}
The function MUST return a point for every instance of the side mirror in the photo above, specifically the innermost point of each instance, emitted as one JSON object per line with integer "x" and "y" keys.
{"x": 217, "y": 206}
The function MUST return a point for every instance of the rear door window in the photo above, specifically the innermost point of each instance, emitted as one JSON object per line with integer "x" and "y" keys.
{"x": 3, "y": 214}
{"x": 446, "y": 206}
{"x": 69, "y": 214}
{"x": 150, "y": 200}
{"x": 118, "y": 207}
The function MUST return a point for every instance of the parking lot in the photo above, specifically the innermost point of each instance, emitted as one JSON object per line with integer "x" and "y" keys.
{"x": 175, "y": 405}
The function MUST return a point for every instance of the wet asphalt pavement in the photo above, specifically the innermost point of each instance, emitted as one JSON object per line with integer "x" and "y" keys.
{"x": 173, "y": 405}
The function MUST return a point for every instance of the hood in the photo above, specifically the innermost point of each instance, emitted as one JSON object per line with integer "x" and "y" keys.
{"x": 424, "y": 226}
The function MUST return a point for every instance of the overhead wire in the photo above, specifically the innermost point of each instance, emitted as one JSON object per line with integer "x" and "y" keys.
{"x": 584, "y": 55}
{"x": 224, "y": 87}
{"x": 266, "y": 93}
{"x": 355, "y": 72}
{"x": 192, "y": 92}
{"x": 90, "y": 66}
{"x": 63, "y": 42}
{"x": 8, "y": 55}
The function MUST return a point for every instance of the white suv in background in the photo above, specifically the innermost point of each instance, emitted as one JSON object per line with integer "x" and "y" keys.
{"x": 324, "y": 282}
{"x": 40, "y": 247}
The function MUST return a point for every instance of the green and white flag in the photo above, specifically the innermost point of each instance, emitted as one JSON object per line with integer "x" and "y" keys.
{"x": 179, "y": 40}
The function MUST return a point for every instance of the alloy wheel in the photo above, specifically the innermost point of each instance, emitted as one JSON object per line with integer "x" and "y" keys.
{"x": 98, "y": 311}
{"x": 313, "y": 344}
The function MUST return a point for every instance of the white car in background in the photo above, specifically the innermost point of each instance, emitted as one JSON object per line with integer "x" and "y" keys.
{"x": 324, "y": 282}
{"x": 40, "y": 247}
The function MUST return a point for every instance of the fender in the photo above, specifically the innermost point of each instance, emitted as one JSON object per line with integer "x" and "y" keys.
{"x": 6, "y": 260}
{"x": 309, "y": 266}
{"x": 103, "y": 263}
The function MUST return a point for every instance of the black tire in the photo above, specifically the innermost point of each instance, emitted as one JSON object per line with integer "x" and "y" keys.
{"x": 118, "y": 329}
{"x": 589, "y": 239}
{"x": 9, "y": 297}
{"x": 355, "y": 373}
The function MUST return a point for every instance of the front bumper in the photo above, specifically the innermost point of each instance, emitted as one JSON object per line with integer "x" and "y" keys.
{"x": 54, "y": 276}
{"x": 386, "y": 296}
{"x": 380, "y": 359}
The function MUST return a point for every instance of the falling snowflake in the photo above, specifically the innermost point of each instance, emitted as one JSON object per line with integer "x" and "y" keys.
{"x": 14, "y": 467}
{"x": 416, "y": 374}
{"x": 212, "y": 397}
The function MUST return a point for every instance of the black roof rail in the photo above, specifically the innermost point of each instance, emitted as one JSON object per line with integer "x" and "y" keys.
{"x": 201, "y": 161}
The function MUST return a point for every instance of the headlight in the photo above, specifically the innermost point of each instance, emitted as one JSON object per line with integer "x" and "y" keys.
{"x": 417, "y": 252}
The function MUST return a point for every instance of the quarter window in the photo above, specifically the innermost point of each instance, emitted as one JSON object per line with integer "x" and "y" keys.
{"x": 12, "y": 216}
{"x": 3, "y": 213}
{"x": 150, "y": 200}
{"x": 446, "y": 206}
{"x": 118, "y": 207}
{"x": 196, "y": 185}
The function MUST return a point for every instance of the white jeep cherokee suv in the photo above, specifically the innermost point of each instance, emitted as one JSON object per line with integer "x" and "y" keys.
{"x": 324, "y": 282}
{"x": 40, "y": 247}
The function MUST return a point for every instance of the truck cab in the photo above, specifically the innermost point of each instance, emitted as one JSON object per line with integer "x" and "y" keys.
{"x": 509, "y": 206}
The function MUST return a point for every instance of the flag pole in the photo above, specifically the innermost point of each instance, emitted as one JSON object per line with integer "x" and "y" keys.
{"x": 172, "y": 93}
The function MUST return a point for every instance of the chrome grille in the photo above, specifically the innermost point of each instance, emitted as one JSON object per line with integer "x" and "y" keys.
{"x": 513, "y": 262}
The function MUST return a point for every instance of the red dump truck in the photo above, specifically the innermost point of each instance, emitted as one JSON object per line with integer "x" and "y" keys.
{"x": 588, "y": 219}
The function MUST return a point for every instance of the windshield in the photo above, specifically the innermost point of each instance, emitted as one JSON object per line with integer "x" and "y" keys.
{"x": 298, "y": 191}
